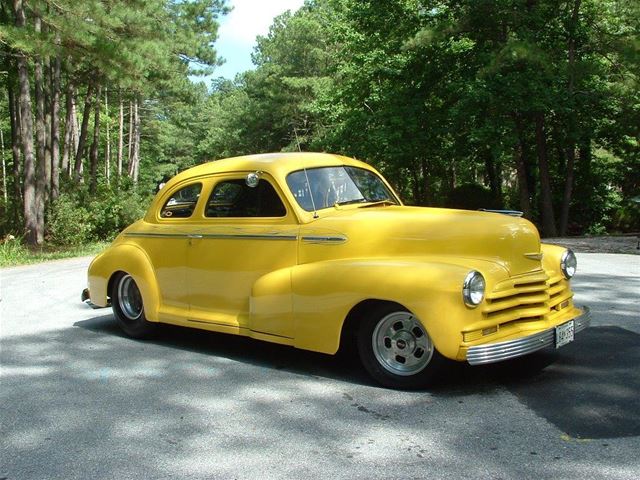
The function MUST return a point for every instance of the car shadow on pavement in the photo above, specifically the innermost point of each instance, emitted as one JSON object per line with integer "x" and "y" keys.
{"x": 245, "y": 350}
{"x": 589, "y": 389}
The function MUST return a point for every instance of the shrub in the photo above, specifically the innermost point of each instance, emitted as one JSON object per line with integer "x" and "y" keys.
{"x": 627, "y": 217}
{"x": 113, "y": 210}
{"x": 70, "y": 223}
{"x": 12, "y": 252}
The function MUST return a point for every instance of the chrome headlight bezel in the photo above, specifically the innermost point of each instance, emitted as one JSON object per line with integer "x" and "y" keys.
{"x": 473, "y": 289}
{"x": 568, "y": 264}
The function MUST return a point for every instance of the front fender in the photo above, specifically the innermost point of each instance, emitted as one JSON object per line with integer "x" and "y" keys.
{"x": 325, "y": 292}
{"x": 551, "y": 258}
{"x": 127, "y": 258}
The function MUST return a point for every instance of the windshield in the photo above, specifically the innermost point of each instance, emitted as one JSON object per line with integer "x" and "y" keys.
{"x": 337, "y": 186}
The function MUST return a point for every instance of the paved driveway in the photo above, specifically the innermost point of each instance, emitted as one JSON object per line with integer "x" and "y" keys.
{"x": 78, "y": 400}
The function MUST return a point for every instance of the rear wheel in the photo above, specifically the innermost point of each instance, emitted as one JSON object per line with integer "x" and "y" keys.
{"x": 128, "y": 307}
{"x": 396, "y": 349}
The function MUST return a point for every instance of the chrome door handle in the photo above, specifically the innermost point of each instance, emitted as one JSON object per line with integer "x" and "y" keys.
{"x": 195, "y": 235}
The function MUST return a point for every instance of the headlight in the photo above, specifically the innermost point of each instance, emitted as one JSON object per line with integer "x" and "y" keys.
{"x": 473, "y": 289}
{"x": 568, "y": 264}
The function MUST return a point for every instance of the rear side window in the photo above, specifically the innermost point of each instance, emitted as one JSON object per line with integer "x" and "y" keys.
{"x": 182, "y": 203}
{"x": 234, "y": 198}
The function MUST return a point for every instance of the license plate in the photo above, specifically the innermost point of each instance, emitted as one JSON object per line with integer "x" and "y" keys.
{"x": 564, "y": 334}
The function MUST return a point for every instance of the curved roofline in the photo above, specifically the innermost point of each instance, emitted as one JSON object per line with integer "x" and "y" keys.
{"x": 276, "y": 164}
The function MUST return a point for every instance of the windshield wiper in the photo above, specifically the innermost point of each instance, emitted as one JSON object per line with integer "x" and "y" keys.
{"x": 386, "y": 201}
{"x": 349, "y": 202}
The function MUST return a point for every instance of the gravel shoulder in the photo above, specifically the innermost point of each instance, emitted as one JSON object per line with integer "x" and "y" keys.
{"x": 628, "y": 244}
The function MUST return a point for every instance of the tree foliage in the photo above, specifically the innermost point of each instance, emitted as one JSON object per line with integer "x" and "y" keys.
{"x": 525, "y": 104}
{"x": 537, "y": 101}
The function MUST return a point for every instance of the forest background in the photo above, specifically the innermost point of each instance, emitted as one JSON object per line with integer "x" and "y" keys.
{"x": 532, "y": 105}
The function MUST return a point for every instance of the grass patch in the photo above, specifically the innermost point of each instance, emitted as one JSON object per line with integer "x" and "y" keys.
{"x": 13, "y": 253}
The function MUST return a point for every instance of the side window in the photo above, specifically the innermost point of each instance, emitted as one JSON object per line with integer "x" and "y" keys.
{"x": 182, "y": 203}
{"x": 233, "y": 198}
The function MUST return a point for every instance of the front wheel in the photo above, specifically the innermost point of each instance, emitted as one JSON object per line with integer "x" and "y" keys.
{"x": 396, "y": 349}
{"x": 128, "y": 307}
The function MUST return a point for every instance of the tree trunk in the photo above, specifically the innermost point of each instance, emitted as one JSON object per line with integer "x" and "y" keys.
{"x": 41, "y": 141}
{"x": 130, "y": 145}
{"x": 120, "y": 137}
{"x": 55, "y": 127}
{"x": 452, "y": 176}
{"x": 495, "y": 182}
{"x": 134, "y": 166}
{"x": 546, "y": 204}
{"x": 568, "y": 189}
{"x": 107, "y": 149}
{"x": 26, "y": 134}
{"x": 572, "y": 127}
{"x": 67, "y": 144}
{"x": 4, "y": 171}
{"x": 520, "y": 154}
{"x": 47, "y": 84}
{"x": 415, "y": 185}
{"x": 15, "y": 150}
{"x": 426, "y": 190}
{"x": 93, "y": 155}
{"x": 83, "y": 134}
{"x": 75, "y": 131}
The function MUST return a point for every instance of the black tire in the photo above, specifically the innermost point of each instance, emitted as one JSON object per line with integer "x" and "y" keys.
{"x": 128, "y": 308}
{"x": 396, "y": 350}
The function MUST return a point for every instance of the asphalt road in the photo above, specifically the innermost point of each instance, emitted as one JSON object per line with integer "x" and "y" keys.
{"x": 78, "y": 400}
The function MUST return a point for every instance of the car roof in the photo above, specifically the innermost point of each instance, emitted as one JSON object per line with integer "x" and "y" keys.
{"x": 278, "y": 165}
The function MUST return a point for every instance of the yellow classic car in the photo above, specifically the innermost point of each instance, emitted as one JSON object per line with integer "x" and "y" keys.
{"x": 315, "y": 251}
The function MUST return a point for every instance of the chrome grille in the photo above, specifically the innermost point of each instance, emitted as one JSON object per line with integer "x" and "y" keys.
{"x": 528, "y": 298}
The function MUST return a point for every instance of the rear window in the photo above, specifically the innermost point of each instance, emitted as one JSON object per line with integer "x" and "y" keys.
{"x": 182, "y": 203}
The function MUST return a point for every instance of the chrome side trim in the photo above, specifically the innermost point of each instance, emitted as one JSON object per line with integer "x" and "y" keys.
{"x": 156, "y": 235}
{"x": 219, "y": 236}
{"x": 335, "y": 239}
{"x": 248, "y": 236}
{"x": 497, "y": 352}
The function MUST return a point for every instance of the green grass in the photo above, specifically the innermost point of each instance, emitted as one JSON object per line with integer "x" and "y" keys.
{"x": 13, "y": 253}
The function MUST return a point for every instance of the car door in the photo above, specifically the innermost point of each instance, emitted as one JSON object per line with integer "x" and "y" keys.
{"x": 165, "y": 242}
{"x": 243, "y": 234}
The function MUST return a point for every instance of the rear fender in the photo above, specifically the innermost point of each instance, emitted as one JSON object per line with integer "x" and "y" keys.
{"x": 132, "y": 260}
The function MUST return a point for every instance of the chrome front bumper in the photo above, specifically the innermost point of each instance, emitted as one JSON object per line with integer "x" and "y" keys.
{"x": 497, "y": 352}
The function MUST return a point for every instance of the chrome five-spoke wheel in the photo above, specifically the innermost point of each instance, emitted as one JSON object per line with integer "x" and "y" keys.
{"x": 401, "y": 345}
{"x": 396, "y": 349}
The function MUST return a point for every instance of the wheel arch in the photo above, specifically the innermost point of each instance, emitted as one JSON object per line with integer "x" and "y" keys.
{"x": 355, "y": 316}
{"x": 112, "y": 279}
{"x": 130, "y": 259}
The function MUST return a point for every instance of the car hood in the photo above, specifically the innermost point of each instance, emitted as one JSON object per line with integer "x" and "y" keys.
{"x": 512, "y": 242}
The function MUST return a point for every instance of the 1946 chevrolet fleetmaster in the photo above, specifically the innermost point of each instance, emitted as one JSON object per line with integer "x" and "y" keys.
{"x": 313, "y": 250}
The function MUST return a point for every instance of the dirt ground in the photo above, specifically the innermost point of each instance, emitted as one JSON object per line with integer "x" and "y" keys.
{"x": 600, "y": 244}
